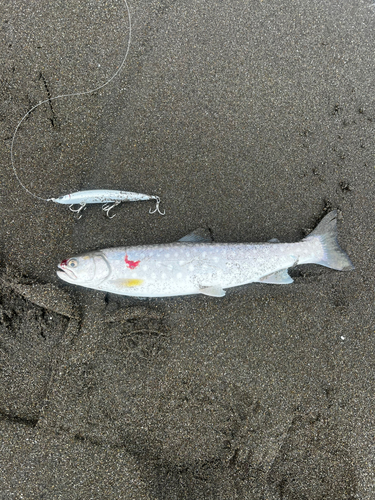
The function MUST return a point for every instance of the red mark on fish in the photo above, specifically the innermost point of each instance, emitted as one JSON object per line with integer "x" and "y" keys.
{"x": 132, "y": 264}
{"x": 64, "y": 263}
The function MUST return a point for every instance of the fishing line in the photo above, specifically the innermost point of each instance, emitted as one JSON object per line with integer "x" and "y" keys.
{"x": 67, "y": 95}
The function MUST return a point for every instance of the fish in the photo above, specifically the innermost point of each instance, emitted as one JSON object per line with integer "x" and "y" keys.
{"x": 196, "y": 265}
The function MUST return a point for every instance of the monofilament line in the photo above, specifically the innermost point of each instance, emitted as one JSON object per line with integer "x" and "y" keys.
{"x": 67, "y": 95}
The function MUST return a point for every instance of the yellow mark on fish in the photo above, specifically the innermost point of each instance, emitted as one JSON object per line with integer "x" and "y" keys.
{"x": 133, "y": 282}
{"x": 128, "y": 283}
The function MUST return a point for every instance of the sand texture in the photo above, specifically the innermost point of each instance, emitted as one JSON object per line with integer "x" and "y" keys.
{"x": 252, "y": 120}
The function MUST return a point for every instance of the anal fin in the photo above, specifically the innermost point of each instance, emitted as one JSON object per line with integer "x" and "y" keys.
{"x": 278, "y": 278}
{"x": 212, "y": 291}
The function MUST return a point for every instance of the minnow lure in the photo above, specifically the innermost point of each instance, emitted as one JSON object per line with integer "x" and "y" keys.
{"x": 196, "y": 265}
{"x": 84, "y": 198}
{"x": 105, "y": 196}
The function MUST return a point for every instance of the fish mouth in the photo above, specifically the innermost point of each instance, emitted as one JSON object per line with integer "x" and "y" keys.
{"x": 65, "y": 274}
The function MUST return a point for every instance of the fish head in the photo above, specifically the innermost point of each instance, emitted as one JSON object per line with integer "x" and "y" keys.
{"x": 89, "y": 269}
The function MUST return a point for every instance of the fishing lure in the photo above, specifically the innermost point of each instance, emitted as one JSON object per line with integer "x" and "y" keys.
{"x": 109, "y": 197}
{"x": 83, "y": 198}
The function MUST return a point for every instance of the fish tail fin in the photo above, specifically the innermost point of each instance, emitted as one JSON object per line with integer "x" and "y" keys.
{"x": 334, "y": 256}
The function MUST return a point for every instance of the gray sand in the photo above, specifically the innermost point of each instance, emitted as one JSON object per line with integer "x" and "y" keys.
{"x": 252, "y": 120}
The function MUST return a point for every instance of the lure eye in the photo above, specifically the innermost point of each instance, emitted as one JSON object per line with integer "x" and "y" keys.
{"x": 72, "y": 263}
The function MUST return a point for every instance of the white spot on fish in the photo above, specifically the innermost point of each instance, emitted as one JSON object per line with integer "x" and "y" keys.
{"x": 191, "y": 267}
{"x": 179, "y": 275}
{"x": 181, "y": 262}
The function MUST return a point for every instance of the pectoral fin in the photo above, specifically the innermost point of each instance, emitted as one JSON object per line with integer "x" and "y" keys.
{"x": 279, "y": 278}
{"x": 212, "y": 291}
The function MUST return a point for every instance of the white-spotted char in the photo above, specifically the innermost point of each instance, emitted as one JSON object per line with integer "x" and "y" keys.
{"x": 196, "y": 265}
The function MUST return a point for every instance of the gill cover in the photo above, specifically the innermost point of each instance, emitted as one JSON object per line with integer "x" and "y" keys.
{"x": 88, "y": 268}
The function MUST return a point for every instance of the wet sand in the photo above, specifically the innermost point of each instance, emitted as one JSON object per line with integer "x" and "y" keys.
{"x": 249, "y": 119}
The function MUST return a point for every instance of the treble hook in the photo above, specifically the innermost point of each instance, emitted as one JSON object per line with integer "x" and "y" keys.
{"x": 82, "y": 206}
{"x": 106, "y": 208}
{"x": 157, "y": 209}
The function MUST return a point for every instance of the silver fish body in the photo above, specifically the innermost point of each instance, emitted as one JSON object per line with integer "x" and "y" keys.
{"x": 192, "y": 266}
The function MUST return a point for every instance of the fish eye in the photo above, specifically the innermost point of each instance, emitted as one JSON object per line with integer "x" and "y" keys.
{"x": 72, "y": 263}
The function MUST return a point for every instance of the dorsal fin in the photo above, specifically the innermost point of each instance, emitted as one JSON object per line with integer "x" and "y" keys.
{"x": 200, "y": 235}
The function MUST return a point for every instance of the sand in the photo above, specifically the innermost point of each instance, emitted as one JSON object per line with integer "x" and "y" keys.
{"x": 251, "y": 120}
